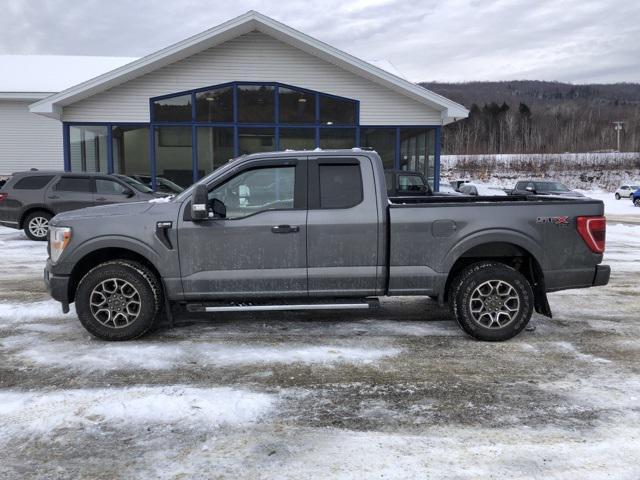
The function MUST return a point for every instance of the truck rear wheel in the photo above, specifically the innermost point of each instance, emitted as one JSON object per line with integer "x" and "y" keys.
{"x": 491, "y": 301}
{"x": 118, "y": 300}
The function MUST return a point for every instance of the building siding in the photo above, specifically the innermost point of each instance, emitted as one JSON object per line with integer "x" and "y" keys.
{"x": 251, "y": 57}
{"x": 28, "y": 140}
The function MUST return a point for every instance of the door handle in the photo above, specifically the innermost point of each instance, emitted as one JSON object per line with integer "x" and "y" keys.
{"x": 52, "y": 196}
{"x": 285, "y": 229}
{"x": 100, "y": 199}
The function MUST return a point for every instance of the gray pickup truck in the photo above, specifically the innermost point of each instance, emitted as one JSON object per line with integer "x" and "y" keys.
{"x": 315, "y": 230}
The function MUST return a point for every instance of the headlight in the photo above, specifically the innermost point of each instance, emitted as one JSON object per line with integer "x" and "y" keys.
{"x": 59, "y": 238}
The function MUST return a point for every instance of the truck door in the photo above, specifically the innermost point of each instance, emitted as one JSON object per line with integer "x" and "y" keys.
{"x": 259, "y": 249}
{"x": 342, "y": 227}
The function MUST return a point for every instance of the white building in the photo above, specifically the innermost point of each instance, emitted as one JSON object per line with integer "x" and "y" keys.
{"x": 251, "y": 84}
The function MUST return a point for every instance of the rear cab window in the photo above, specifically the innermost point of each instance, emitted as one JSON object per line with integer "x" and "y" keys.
{"x": 74, "y": 184}
{"x": 340, "y": 184}
{"x": 32, "y": 182}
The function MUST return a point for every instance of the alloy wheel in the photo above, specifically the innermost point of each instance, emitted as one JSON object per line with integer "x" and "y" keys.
{"x": 39, "y": 227}
{"x": 115, "y": 303}
{"x": 494, "y": 304}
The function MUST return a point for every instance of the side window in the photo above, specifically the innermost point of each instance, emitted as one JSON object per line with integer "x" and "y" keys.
{"x": 340, "y": 185}
{"x": 521, "y": 186}
{"x": 109, "y": 187}
{"x": 256, "y": 190}
{"x": 74, "y": 184}
{"x": 410, "y": 183}
{"x": 32, "y": 183}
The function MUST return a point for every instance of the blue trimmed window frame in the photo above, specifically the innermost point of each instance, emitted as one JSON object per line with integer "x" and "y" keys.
{"x": 236, "y": 125}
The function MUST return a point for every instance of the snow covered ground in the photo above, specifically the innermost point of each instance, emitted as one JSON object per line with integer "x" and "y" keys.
{"x": 394, "y": 393}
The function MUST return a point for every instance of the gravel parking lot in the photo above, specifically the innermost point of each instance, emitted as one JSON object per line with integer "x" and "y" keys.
{"x": 398, "y": 392}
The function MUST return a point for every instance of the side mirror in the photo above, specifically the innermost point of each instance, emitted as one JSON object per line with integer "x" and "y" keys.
{"x": 199, "y": 201}
{"x": 128, "y": 193}
{"x": 530, "y": 189}
{"x": 219, "y": 209}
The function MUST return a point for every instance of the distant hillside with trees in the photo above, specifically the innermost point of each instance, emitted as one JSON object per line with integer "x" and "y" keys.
{"x": 541, "y": 117}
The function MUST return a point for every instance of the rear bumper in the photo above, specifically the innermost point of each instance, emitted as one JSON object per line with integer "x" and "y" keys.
{"x": 578, "y": 278}
{"x": 57, "y": 286}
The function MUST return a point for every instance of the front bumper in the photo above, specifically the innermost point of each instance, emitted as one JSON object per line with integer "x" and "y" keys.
{"x": 57, "y": 286}
{"x": 603, "y": 272}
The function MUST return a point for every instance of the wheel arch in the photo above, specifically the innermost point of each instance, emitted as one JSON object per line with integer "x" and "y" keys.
{"x": 103, "y": 254}
{"x": 33, "y": 208}
{"x": 523, "y": 256}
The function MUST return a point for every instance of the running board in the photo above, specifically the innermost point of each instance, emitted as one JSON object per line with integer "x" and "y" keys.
{"x": 251, "y": 307}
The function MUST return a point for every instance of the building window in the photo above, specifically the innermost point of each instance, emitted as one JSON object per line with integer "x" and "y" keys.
{"x": 297, "y": 106}
{"x": 174, "y": 159}
{"x": 215, "y": 148}
{"x": 130, "y": 149}
{"x": 383, "y": 141}
{"x": 332, "y": 138}
{"x": 297, "y": 138}
{"x": 88, "y": 148}
{"x": 256, "y": 104}
{"x": 254, "y": 140}
{"x": 337, "y": 111}
{"x": 173, "y": 109}
{"x": 215, "y": 105}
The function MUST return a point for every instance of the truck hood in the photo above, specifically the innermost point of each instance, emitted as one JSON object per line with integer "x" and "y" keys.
{"x": 117, "y": 209}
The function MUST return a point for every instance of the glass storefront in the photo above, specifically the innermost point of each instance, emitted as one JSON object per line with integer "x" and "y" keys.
{"x": 130, "y": 150}
{"x": 215, "y": 148}
{"x": 174, "y": 159}
{"x": 88, "y": 148}
{"x": 239, "y": 118}
{"x": 383, "y": 141}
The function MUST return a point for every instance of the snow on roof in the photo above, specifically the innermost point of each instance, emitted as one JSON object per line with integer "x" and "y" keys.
{"x": 52, "y": 73}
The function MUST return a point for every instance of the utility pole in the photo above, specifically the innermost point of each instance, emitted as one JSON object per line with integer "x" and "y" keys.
{"x": 617, "y": 126}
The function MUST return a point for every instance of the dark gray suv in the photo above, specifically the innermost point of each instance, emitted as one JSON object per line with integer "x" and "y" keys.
{"x": 30, "y": 199}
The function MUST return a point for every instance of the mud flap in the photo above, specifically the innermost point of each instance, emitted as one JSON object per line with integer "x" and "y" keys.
{"x": 541, "y": 303}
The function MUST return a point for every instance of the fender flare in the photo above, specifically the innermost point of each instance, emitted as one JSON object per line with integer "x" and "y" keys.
{"x": 497, "y": 235}
{"x": 114, "y": 241}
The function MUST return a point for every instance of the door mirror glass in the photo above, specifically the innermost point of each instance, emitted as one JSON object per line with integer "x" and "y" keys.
{"x": 199, "y": 203}
{"x": 219, "y": 208}
{"x": 128, "y": 193}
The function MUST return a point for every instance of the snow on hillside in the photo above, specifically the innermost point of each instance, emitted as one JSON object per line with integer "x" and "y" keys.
{"x": 587, "y": 171}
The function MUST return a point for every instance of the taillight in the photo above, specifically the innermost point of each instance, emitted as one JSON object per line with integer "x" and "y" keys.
{"x": 3, "y": 196}
{"x": 593, "y": 231}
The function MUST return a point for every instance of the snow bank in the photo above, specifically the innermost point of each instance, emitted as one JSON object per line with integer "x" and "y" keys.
{"x": 43, "y": 412}
{"x": 577, "y": 170}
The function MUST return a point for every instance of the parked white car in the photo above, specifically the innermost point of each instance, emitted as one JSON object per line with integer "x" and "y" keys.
{"x": 482, "y": 189}
{"x": 626, "y": 190}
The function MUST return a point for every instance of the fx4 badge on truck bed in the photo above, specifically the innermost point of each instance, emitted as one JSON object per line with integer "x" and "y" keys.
{"x": 560, "y": 221}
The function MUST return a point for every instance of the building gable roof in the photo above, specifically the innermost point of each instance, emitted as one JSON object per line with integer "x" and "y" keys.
{"x": 250, "y": 21}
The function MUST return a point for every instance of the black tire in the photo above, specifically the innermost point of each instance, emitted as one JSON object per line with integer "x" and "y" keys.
{"x": 617, "y": 196}
{"x": 36, "y": 225}
{"x": 116, "y": 321}
{"x": 505, "y": 282}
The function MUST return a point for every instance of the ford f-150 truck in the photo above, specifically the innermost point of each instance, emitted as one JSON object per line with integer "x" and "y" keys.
{"x": 316, "y": 230}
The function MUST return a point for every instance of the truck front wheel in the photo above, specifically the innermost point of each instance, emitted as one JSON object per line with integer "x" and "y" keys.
{"x": 118, "y": 300}
{"x": 491, "y": 301}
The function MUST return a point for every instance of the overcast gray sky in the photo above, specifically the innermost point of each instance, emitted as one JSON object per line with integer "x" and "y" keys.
{"x": 578, "y": 41}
